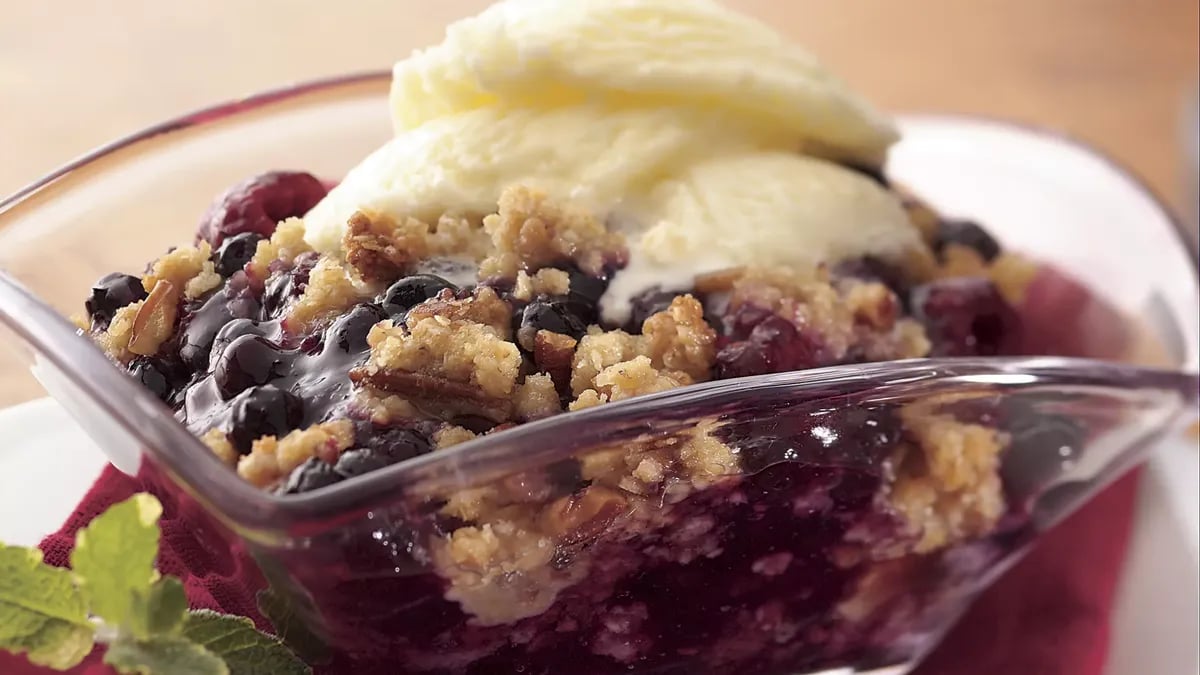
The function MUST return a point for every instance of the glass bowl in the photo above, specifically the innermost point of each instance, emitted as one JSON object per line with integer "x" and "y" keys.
{"x": 824, "y": 551}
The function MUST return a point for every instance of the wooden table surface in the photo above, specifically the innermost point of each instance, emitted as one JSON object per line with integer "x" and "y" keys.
{"x": 76, "y": 74}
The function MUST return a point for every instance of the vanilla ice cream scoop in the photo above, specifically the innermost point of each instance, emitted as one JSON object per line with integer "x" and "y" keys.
{"x": 710, "y": 140}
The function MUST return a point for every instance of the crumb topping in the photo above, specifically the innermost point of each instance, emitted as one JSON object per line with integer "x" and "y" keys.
{"x": 530, "y": 231}
{"x": 383, "y": 249}
{"x": 285, "y": 244}
{"x": 330, "y": 291}
{"x": 548, "y": 281}
{"x": 271, "y": 459}
{"x": 484, "y": 306}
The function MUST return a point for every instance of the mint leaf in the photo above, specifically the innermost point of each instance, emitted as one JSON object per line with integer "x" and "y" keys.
{"x": 245, "y": 650}
{"x": 160, "y": 610}
{"x": 163, "y": 655}
{"x": 114, "y": 556}
{"x": 281, "y": 611}
{"x": 41, "y": 612}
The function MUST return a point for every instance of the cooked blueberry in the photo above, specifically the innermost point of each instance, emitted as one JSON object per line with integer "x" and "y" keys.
{"x": 258, "y": 203}
{"x": 231, "y": 331}
{"x": 966, "y": 316}
{"x": 554, "y": 315}
{"x": 773, "y": 346}
{"x": 360, "y": 461}
{"x": 110, "y": 293}
{"x": 349, "y": 331}
{"x": 248, "y": 361}
{"x": 282, "y": 287}
{"x": 412, "y": 291}
{"x": 200, "y": 328}
{"x": 966, "y": 233}
{"x": 235, "y": 252}
{"x": 647, "y": 304}
{"x": 585, "y": 293}
{"x": 398, "y": 444}
{"x": 151, "y": 376}
{"x": 263, "y": 411}
{"x": 309, "y": 476}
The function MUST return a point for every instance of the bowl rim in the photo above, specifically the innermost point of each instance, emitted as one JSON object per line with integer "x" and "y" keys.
{"x": 255, "y": 512}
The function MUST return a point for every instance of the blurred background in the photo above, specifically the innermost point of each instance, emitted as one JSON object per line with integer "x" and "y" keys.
{"x": 1115, "y": 72}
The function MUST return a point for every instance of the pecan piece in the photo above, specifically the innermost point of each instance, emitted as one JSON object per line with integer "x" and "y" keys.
{"x": 584, "y": 516}
{"x": 443, "y": 396}
{"x": 155, "y": 319}
{"x": 553, "y": 354}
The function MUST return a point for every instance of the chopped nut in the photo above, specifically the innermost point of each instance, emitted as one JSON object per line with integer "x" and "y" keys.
{"x": 381, "y": 249}
{"x": 458, "y": 351}
{"x": 484, "y": 306}
{"x": 155, "y": 319}
{"x": 578, "y": 518}
{"x": 553, "y": 354}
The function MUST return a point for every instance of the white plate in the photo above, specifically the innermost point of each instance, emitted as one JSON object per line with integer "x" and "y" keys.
{"x": 48, "y": 464}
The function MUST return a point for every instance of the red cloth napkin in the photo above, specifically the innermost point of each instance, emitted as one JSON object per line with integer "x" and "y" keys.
{"x": 1047, "y": 616}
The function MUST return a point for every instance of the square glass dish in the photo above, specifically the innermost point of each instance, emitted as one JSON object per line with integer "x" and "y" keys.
{"x": 820, "y": 552}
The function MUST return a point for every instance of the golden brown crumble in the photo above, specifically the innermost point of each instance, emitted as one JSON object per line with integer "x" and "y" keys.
{"x": 948, "y": 486}
{"x": 180, "y": 265}
{"x": 484, "y": 306}
{"x": 636, "y": 377}
{"x": 450, "y": 434}
{"x": 536, "y": 398}
{"x": 382, "y": 249}
{"x": 285, "y": 244}
{"x": 530, "y": 232}
{"x": 458, "y": 350}
{"x": 546, "y": 281}
{"x": 598, "y": 350}
{"x": 851, "y": 316}
{"x": 272, "y": 459}
{"x": 330, "y": 292}
{"x": 449, "y": 365}
{"x": 384, "y": 408}
{"x": 218, "y": 442}
{"x": 679, "y": 339}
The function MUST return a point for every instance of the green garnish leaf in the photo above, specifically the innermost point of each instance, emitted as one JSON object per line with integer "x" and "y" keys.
{"x": 114, "y": 556}
{"x": 41, "y": 612}
{"x": 245, "y": 650}
{"x": 163, "y": 655}
{"x": 160, "y": 610}
{"x": 291, "y": 629}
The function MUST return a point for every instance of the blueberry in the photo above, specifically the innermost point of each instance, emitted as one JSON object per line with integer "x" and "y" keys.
{"x": 263, "y": 411}
{"x": 349, "y": 332}
{"x": 247, "y": 361}
{"x": 646, "y": 304}
{"x": 235, "y": 252}
{"x": 385, "y": 448}
{"x": 966, "y": 316}
{"x": 554, "y": 315}
{"x": 150, "y": 374}
{"x": 283, "y": 286}
{"x": 359, "y": 461}
{"x": 966, "y": 233}
{"x": 585, "y": 293}
{"x": 110, "y": 293}
{"x": 309, "y": 476}
{"x": 412, "y": 291}
{"x": 231, "y": 331}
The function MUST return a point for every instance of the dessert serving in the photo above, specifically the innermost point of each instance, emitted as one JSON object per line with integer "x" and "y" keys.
{"x": 584, "y": 203}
